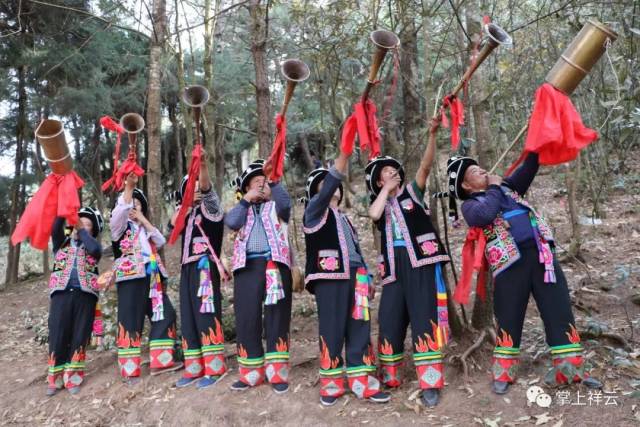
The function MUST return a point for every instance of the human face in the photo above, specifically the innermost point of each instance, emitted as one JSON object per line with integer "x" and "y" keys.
{"x": 386, "y": 174}
{"x": 86, "y": 224}
{"x": 137, "y": 206}
{"x": 475, "y": 179}
{"x": 259, "y": 183}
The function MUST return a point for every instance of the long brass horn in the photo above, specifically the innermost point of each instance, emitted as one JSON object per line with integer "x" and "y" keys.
{"x": 573, "y": 65}
{"x": 50, "y": 135}
{"x": 580, "y": 56}
{"x": 384, "y": 41}
{"x": 133, "y": 124}
{"x": 196, "y": 97}
{"x": 294, "y": 71}
{"x": 496, "y": 36}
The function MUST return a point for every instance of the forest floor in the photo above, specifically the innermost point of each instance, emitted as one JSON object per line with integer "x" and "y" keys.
{"x": 602, "y": 288}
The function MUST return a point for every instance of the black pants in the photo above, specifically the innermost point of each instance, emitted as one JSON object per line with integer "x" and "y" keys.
{"x": 202, "y": 335}
{"x": 411, "y": 299}
{"x": 134, "y": 305}
{"x": 511, "y": 296}
{"x": 71, "y": 314}
{"x": 249, "y": 294}
{"x": 337, "y": 327}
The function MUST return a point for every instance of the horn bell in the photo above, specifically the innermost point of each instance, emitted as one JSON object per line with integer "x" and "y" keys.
{"x": 295, "y": 70}
{"x": 195, "y": 96}
{"x": 497, "y": 35}
{"x": 132, "y": 122}
{"x": 384, "y": 39}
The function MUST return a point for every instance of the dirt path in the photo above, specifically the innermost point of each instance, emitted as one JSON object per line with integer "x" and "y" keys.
{"x": 613, "y": 266}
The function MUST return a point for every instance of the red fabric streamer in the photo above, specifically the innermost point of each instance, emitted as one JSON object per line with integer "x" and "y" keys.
{"x": 456, "y": 111}
{"x": 130, "y": 165}
{"x": 473, "y": 259}
{"x": 187, "y": 197}
{"x": 556, "y": 131}
{"x": 279, "y": 149}
{"x": 364, "y": 122}
{"x": 56, "y": 197}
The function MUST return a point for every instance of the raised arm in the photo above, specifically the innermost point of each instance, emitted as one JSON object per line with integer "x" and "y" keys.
{"x": 282, "y": 200}
{"x": 119, "y": 217}
{"x": 480, "y": 213}
{"x": 57, "y": 235}
{"x": 237, "y": 216}
{"x": 320, "y": 202}
{"x": 427, "y": 158}
{"x": 91, "y": 245}
{"x": 520, "y": 180}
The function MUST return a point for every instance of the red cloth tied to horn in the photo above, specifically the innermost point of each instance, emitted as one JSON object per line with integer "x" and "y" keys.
{"x": 279, "y": 149}
{"x": 556, "y": 131}
{"x": 56, "y": 197}
{"x": 364, "y": 122}
{"x": 456, "y": 111}
{"x": 190, "y": 189}
{"x": 130, "y": 165}
{"x": 472, "y": 260}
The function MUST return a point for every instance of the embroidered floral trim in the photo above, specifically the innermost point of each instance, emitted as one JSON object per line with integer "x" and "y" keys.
{"x": 343, "y": 249}
{"x": 86, "y": 269}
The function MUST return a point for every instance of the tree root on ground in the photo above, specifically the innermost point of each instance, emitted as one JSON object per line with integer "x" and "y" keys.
{"x": 607, "y": 335}
{"x": 486, "y": 334}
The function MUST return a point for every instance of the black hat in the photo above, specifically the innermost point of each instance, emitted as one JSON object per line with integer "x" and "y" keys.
{"x": 456, "y": 168}
{"x": 314, "y": 178}
{"x": 254, "y": 169}
{"x": 95, "y": 217}
{"x": 183, "y": 187}
{"x": 138, "y": 194}
{"x": 373, "y": 170}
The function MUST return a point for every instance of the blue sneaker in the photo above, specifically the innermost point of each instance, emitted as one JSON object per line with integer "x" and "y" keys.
{"x": 184, "y": 382}
{"x": 206, "y": 381}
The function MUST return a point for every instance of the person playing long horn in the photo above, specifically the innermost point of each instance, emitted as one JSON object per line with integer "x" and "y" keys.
{"x": 262, "y": 276}
{"x": 140, "y": 278}
{"x": 74, "y": 291}
{"x": 410, "y": 267}
{"x": 520, "y": 253}
{"x": 337, "y": 275}
{"x": 200, "y": 276}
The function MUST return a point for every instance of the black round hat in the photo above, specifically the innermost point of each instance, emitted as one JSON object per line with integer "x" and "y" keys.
{"x": 373, "y": 169}
{"x": 95, "y": 217}
{"x": 314, "y": 178}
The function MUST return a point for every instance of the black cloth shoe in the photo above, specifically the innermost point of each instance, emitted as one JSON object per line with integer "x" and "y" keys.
{"x": 280, "y": 388}
{"x": 380, "y": 397}
{"x": 591, "y": 382}
{"x": 500, "y": 387}
{"x": 430, "y": 397}
{"x": 328, "y": 400}
{"x": 239, "y": 386}
{"x": 51, "y": 391}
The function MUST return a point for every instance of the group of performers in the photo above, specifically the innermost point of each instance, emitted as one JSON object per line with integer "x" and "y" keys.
{"x": 519, "y": 251}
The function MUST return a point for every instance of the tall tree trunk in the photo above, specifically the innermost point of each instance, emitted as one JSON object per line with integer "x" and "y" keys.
{"x": 178, "y": 168}
{"x": 186, "y": 112}
{"x": 13, "y": 255}
{"x": 572, "y": 176}
{"x": 259, "y": 30}
{"x": 410, "y": 98}
{"x": 479, "y": 93}
{"x": 215, "y": 141}
{"x": 154, "y": 167}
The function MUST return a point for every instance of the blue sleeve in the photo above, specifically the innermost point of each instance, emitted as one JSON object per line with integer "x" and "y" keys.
{"x": 91, "y": 245}
{"x": 320, "y": 202}
{"x": 520, "y": 180}
{"x": 480, "y": 213}
{"x": 237, "y": 216}
{"x": 282, "y": 201}
{"x": 57, "y": 235}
